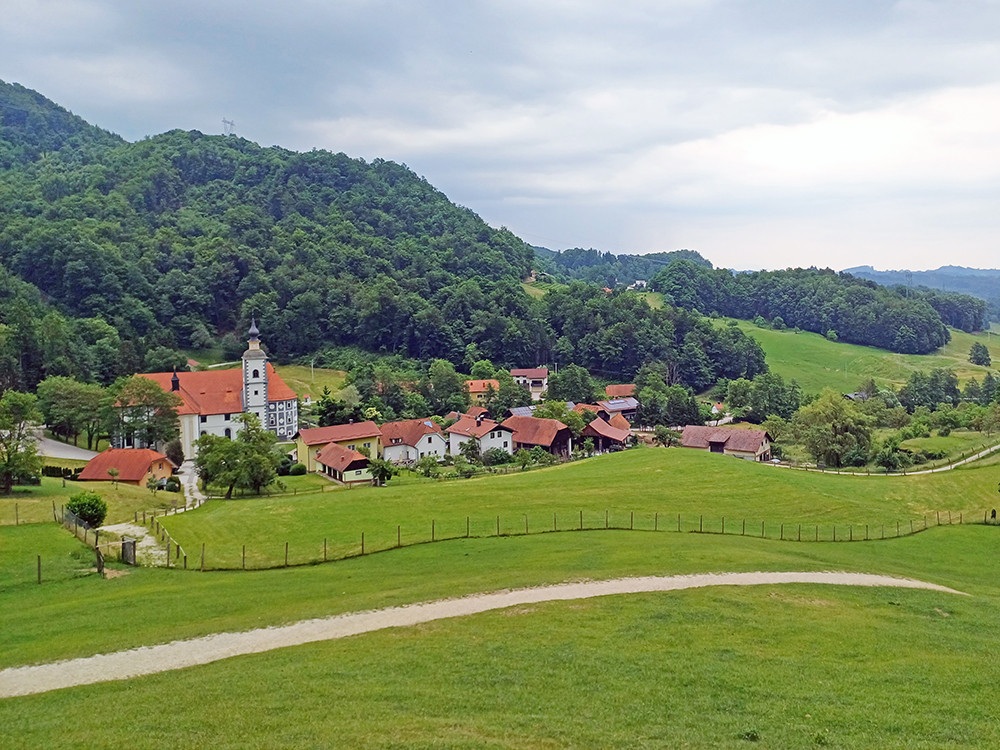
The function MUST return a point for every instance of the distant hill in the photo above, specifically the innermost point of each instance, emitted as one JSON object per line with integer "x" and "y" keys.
{"x": 608, "y": 269}
{"x": 979, "y": 282}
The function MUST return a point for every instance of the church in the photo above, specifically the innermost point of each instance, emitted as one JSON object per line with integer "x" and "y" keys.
{"x": 211, "y": 399}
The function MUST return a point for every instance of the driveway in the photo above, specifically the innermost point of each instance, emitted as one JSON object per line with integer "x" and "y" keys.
{"x": 56, "y": 449}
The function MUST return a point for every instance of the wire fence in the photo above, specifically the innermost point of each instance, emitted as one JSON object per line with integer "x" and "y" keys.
{"x": 278, "y": 553}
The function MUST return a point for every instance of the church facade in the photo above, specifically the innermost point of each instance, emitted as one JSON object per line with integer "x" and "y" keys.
{"x": 212, "y": 399}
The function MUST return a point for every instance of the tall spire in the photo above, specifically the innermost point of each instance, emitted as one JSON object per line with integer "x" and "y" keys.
{"x": 253, "y": 332}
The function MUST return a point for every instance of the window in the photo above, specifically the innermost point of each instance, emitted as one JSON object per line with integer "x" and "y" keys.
{"x": 350, "y": 447}
{"x": 255, "y": 374}
{"x": 227, "y": 416}
{"x": 203, "y": 419}
{"x": 428, "y": 440}
{"x": 256, "y": 392}
{"x": 229, "y": 433}
{"x": 504, "y": 443}
{"x": 203, "y": 432}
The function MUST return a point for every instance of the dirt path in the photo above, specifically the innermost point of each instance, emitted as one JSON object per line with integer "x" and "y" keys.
{"x": 180, "y": 654}
{"x": 148, "y": 550}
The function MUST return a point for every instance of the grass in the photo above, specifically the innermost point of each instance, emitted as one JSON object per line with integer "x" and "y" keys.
{"x": 665, "y": 481}
{"x": 817, "y": 363}
{"x": 653, "y": 299}
{"x": 34, "y": 504}
{"x": 292, "y": 485}
{"x": 710, "y": 668}
{"x": 306, "y": 380}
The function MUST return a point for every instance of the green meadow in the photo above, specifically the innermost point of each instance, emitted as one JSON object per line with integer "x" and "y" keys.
{"x": 817, "y": 363}
{"x": 33, "y": 504}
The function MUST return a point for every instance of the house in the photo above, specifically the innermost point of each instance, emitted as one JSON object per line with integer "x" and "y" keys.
{"x": 343, "y": 464}
{"x": 480, "y": 389}
{"x": 753, "y": 445}
{"x": 550, "y": 434}
{"x": 535, "y": 379}
{"x": 412, "y": 439}
{"x": 718, "y": 408}
{"x": 625, "y": 406}
{"x": 605, "y": 436}
{"x": 591, "y": 408}
{"x": 617, "y": 420}
{"x": 354, "y": 436}
{"x": 623, "y": 390}
{"x": 486, "y": 432}
{"x": 211, "y": 399}
{"x": 475, "y": 411}
{"x": 520, "y": 411}
{"x": 134, "y": 466}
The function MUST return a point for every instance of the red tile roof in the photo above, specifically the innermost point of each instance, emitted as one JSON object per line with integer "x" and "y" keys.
{"x": 475, "y": 411}
{"x": 581, "y": 408}
{"x": 535, "y": 430}
{"x": 617, "y": 420}
{"x": 338, "y": 433}
{"x": 745, "y": 441}
{"x": 340, "y": 459}
{"x": 481, "y": 386}
{"x": 535, "y": 373}
{"x": 600, "y": 428}
{"x": 467, "y": 426}
{"x": 408, "y": 432}
{"x": 217, "y": 391}
{"x": 619, "y": 391}
{"x": 132, "y": 464}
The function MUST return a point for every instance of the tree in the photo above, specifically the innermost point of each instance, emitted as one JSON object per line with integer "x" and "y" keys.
{"x": 113, "y": 474}
{"x": 153, "y": 484}
{"x": 445, "y": 388}
{"x": 523, "y": 458}
{"x": 980, "y": 355}
{"x": 250, "y": 462}
{"x": 18, "y": 452}
{"x": 832, "y": 428}
{"x": 664, "y": 436}
{"x": 382, "y": 471}
{"x": 483, "y": 369}
{"x": 89, "y": 507}
{"x": 138, "y": 411}
{"x": 470, "y": 451}
{"x": 174, "y": 451}
{"x": 428, "y": 466}
{"x": 571, "y": 383}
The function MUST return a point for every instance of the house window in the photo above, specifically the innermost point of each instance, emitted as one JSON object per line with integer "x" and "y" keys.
{"x": 227, "y": 417}
{"x": 350, "y": 447}
{"x": 428, "y": 440}
{"x": 272, "y": 421}
{"x": 368, "y": 445}
{"x": 256, "y": 392}
{"x": 229, "y": 433}
{"x": 203, "y": 432}
{"x": 256, "y": 374}
{"x": 358, "y": 471}
{"x": 504, "y": 443}
{"x": 203, "y": 419}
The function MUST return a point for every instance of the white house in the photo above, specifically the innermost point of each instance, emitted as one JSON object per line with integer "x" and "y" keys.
{"x": 535, "y": 379}
{"x": 211, "y": 399}
{"x": 486, "y": 432}
{"x": 412, "y": 439}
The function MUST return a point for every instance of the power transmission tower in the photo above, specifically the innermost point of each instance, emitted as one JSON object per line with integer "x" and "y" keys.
{"x": 227, "y": 126}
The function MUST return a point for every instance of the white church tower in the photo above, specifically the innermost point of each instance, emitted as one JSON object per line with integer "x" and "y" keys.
{"x": 255, "y": 377}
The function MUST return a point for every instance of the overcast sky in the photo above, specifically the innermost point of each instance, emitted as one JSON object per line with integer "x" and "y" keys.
{"x": 763, "y": 134}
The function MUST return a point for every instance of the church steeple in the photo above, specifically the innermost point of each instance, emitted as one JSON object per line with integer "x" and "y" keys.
{"x": 175, "y": 381}
{"x": 255, "y": 398}
{"x": 254, "y": 334}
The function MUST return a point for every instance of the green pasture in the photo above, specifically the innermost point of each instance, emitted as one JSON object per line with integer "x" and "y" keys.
{"x": 310, "y": 380}
{"x": 716, "y": 667}
{"x": 818, "y": 363}
{"x": 668, "y": 482}
{"x": 653, "y": 299}
{"x": 33, "y": 504}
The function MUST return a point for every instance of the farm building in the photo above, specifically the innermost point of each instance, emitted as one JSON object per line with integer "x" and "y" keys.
{"x": 134, "y": 466}
{"x": 753, "y": 445}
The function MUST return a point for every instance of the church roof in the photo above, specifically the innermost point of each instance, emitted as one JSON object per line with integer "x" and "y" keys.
{"x": 217, "y": 391}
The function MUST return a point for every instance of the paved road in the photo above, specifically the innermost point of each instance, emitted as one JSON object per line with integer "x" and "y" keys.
{"x": 123, "y": 665}
{"x": 56, "y": 449}
{"x": 947, "y": 467}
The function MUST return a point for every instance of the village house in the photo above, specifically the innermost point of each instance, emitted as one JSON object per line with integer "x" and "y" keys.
{"x": 211, "y": 399}
{"x": 134, "y": 466}
{"x": 343, "y": 465}
{"x": 410, "y": 440}
{"x": 752, "y": 445}
{"x": 535, "y": 379}
{"x": 480, "y": 389}
{"x": 311, "y": 441}
{"x": 550, "y": 434}
{"x": 626, "y": 406}
{"x": 623, "y": 390}
{"x": 606, "y": 438}
{"x": 487, "y": 434}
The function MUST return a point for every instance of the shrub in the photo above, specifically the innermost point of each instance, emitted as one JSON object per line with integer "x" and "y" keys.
{"x": 173, "y": 484}
{"x": 496, "y": 456}
{"x": 89, "y": 507}
{"x": 174, "y": 451}
{"x": 297, "y": 470}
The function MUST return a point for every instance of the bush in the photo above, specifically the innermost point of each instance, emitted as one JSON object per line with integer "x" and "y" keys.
{"x": 174, "y": 451}
{"x": 173, "y": 484}
{"x": 496, "y": 456}
{"x": 89, "y": 507}
{"x": 297, "y": 470}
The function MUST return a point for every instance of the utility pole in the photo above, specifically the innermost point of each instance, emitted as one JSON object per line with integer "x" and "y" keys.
{"x": 227, "y": 126}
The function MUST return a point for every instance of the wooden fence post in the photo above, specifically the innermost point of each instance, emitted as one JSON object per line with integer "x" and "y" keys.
{"x": 701, "y": 523}
{"x": 39, "y": 568}
{"x": 761, "y": 529}
{"x": 656, "y": 521}
{"x": 581, "y": 520}
{"x": 781, "y": 532}
{"x": 168, "y": 552}
{"x": 525, "y": 523}
{"x": 851, "y": 530}
{"x": 800, "y": 532}
{"x": 817, "y": 532}
{"x": 17, "y": 518}
{"x": 244, "y": 557}
{"x": 432, "y": 532}
{"x": 362, "y": 543}
{"x": 631, "y": 520}
{"x": 555, "y": 526}
{"x": 498, "y": 525}
{"x": 678, "y": 522}
{"x": 606, "y": 518}
{"x": 468, "y": 526}
{"x": 324, "y": 549}
{"x": 202, "y": 557}
{"x": 835, "y": 532}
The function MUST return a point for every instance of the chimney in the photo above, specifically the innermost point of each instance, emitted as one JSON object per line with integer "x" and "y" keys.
{"x": 175, "y": 382}
{"x": 479, "y": 420}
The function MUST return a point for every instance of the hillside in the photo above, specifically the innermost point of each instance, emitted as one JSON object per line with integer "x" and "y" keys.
{"x": 979, "y": 282}
{"x": 607, "y": 269}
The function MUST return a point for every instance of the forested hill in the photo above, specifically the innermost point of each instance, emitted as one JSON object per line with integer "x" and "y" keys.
{"x": 955, "y": 280}
{"x": 607, "y": 269}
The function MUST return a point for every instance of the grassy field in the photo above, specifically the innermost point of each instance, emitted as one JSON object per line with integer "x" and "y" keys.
{"x": 710, "y": 668}
{"x": 307, "y": 380}
{"x": 34, "y": 504}
{"x": 661, "y": 481}
{"x": 817, "y": 363}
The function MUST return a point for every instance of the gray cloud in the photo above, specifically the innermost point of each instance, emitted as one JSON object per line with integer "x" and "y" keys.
{"x": 762, "y": 133}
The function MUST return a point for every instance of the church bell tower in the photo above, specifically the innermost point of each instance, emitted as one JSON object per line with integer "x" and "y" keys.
{"x": 255, "y": 377}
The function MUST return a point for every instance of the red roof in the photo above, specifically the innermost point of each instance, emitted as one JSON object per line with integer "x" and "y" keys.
{"x": 408, "y": 432}
{"x": 340, "y": 459}
{"x": 600, "y": 428}
{"x": 217, "y": 391}
{"x": 535, "y": 373}
{"x": 581, "y": 408}
{"x": 338, "y": 433}
{"x": 746, "y": 441}
{"x": 617, "y": 420}
{"x": 620, "y": 391}
{"x": 132, "y": 464}
{"x": 481, "y": 386}
{"x": 468, "y": 426}
{"x": 535, "y": 430}
{"x": 475, "y": 411}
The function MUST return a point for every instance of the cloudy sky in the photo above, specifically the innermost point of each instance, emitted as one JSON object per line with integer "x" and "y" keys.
{"x": 762, "y": 133}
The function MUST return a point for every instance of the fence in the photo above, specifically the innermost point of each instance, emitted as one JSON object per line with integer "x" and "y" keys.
{"x": 111, "y": 548}
{"x": 280, "y": 554}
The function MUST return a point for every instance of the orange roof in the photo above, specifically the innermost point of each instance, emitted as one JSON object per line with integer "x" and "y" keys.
{"x": 217, "y": 391}
{"x": 132, "y": 464}
{"x": 748, "y": 441}
{"x": 481, "y": 386}
{"x": 530, "y": 372}
{"x": 475, "y": 411}
{"x": 581, "y": 408}
{"x": 338, "y": 433}
{"x": 619, "y": 391}
{"x": 600, "y": 428}
{"x": 535, "y": 430}
{"x": 340, "y": 459}
{"x": 617, "y": 420}
{"x": 408, "y": 431}
{"x": 468, "y": 426}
